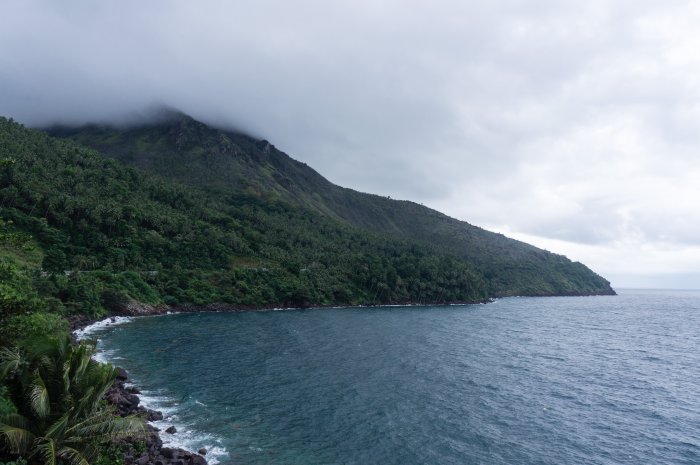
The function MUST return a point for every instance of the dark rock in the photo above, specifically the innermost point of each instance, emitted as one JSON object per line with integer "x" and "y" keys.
{"x": 198, "y": 460}
{"x": 79, "y": 322}
{"x": 126, "y": 402}
{"x": 132, "y": 399}
{"x": 202, "y": 451}
{"x": 114, "y": 398}
{"x": 151, "y": 429}
{"x": 157, "y": 442}
{"x": 134, "y": 308}
{"x": 122, "y": 374}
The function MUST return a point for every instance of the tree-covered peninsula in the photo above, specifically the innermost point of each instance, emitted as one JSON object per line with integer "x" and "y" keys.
{"x": 177, "y": 214}
{"x": 207, "y": 216}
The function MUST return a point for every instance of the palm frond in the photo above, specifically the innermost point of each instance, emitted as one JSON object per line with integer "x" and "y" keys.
{"x": 97, "y": 380}
{"x": 46, "y": 449}
{"x": 84, "y": 408}
{"x": 66, "y": 378}
{"x": 14, "y": 431}
{"x": 72, "y": 456}
{"x": 59, "y": 391}
{"x": 57, "y": 430}
{"x": 103, "y": 379}
{"x": 87, "y": 402}
{"x": 104, "y": 425}
{"x": 83, "y": 357}
{"x": 61, "y": 349}
{"x": 11, "y": 361}
{"x": 39, "y": 397}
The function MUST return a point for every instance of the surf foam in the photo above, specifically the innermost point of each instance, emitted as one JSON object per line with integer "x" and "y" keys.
{"x": 186, "y": 437}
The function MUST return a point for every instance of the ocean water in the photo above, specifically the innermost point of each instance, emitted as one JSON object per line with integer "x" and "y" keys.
{"x": 571, "y": 380}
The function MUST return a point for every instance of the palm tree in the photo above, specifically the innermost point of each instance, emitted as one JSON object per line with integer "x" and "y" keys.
{"x": 57, "y": 389}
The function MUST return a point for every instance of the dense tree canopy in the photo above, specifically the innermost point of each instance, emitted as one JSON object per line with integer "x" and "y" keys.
{"x": 229, "y": 163}
{"x": 107, "y": 233}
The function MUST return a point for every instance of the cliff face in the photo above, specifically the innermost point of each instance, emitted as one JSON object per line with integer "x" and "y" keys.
{"x": 233, "y": 164}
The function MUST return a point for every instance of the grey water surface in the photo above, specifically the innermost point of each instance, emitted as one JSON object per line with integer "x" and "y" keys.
{"x": 563, "y": 380}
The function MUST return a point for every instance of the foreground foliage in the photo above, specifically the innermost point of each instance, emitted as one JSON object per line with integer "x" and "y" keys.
{"x": 56, "y": 389}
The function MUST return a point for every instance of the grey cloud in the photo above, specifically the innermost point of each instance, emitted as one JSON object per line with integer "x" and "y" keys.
{"x": 566, "y": 120}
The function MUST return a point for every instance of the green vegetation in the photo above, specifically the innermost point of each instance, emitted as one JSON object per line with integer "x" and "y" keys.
{"x": 201, "y": 216}
{"x": 219, "y": 217}
{"x": 110, "y": 235}
{"x": 56, "y": 389}
{"x": 51, "y": 407}
{"x": 227, "y": 163}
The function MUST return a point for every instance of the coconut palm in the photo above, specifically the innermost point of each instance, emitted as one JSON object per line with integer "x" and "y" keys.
{"x": 57, "y": 389}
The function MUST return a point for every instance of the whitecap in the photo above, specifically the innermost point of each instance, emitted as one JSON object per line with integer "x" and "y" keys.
{"x": 186, "y": 437}
{"x": 99, "y": 326}
{"x": 190, "y": 439}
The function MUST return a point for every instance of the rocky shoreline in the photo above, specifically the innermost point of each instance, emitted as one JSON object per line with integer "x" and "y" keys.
{"x": 134, "y": 308}
{"x": 147, "y": 449}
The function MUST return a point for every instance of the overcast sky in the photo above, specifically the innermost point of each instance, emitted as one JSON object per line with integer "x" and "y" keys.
{"x": 572, "y": 125}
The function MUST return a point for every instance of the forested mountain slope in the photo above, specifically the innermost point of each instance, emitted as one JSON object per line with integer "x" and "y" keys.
{"x": 228, "y": 163}
{"x": 95, "y": 234}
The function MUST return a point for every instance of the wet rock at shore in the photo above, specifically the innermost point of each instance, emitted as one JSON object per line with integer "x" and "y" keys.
{"x": 122, "y": 374}
{"x": 166, "y": 456}
{"x": 79, "y": 321}
{"x": 126, "y": 402}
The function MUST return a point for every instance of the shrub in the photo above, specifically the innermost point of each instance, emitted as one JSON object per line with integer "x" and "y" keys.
{"x": 22, "y": 328}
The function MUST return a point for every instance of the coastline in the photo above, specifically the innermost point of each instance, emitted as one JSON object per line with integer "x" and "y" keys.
{"x": 149, "y": 449}
{"x": 126, "y": 397}
{"x": 133, "y": 309}
{"x": 137, "y": 309}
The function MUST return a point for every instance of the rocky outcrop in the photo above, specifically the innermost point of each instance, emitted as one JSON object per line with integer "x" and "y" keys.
{"x": 178, "y": 457}
{"x": 147, "y": 449}
{"x": 79, "y": 321}
{"x": 131, "y": 307}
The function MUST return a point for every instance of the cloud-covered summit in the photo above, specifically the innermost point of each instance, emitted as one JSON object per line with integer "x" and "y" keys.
{"x": 571, "y": 124}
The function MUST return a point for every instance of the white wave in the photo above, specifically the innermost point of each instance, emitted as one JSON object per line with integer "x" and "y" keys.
{"x": 99, "y": 326}
{"x": 104, "y": 356}
{"x": 190, "y": 439}
{"x": 186, "y": 437}
{"x": 156, "y": 401}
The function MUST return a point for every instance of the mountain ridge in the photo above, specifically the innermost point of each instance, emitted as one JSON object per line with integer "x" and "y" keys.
{"x": 182, "y": 149}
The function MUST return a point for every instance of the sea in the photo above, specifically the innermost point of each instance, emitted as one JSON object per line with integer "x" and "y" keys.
{"x": 553, "y": 380}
